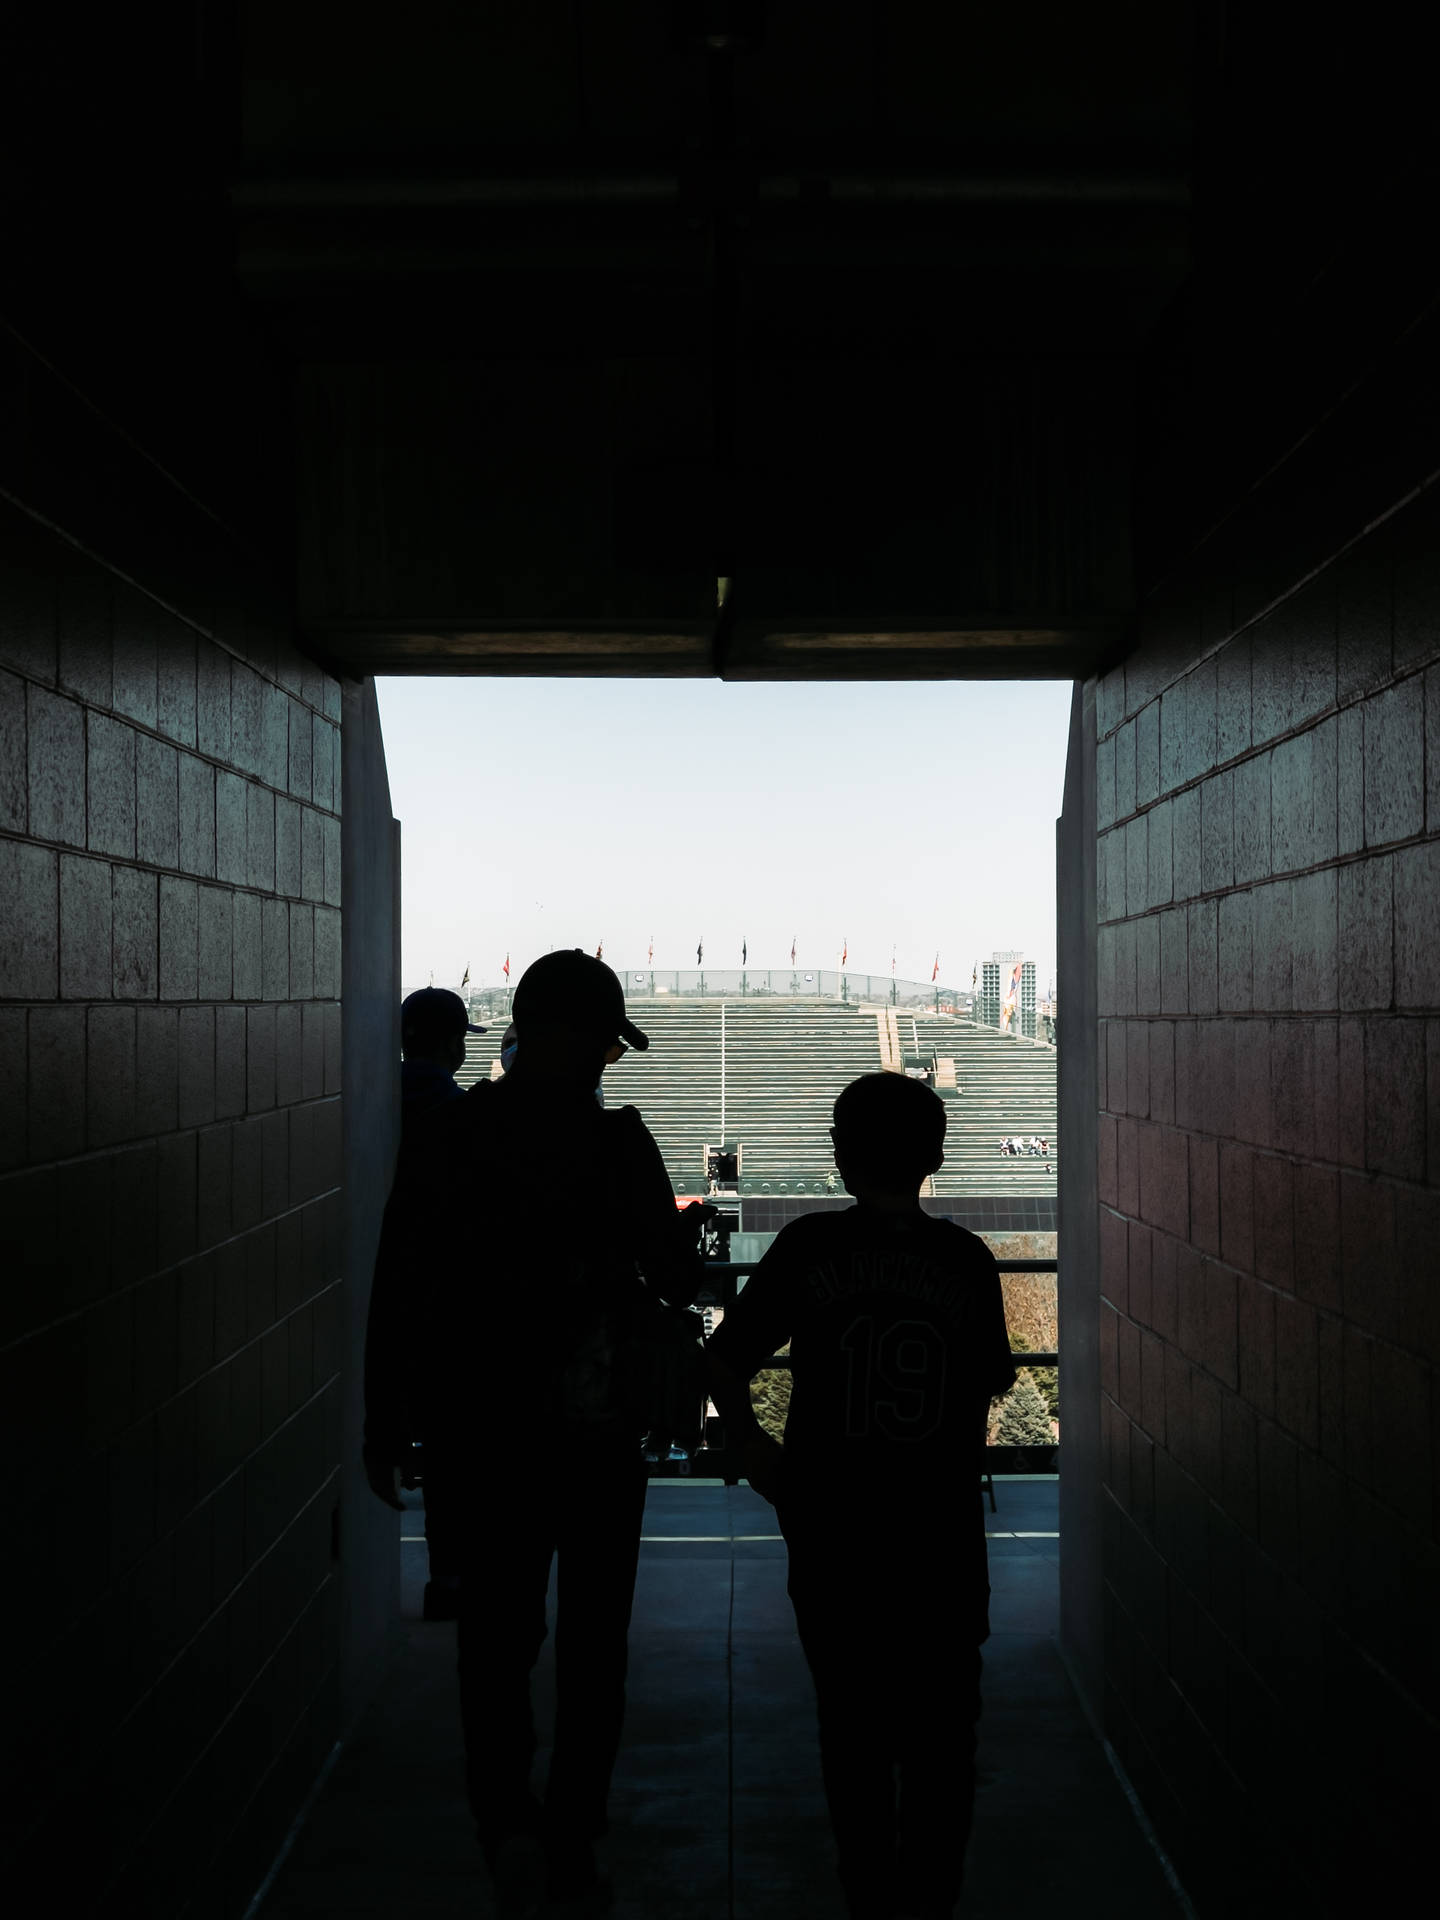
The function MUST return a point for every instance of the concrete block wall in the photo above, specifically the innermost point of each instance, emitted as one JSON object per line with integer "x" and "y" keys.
{"x": 1268, "y": 1062}
{"x": 170, "y": 1229}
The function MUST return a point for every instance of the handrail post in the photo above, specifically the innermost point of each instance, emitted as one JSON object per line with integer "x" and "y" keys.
{"x": 722, "y": 1075}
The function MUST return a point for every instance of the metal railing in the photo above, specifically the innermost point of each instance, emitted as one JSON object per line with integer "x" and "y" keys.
{"x": 728, "y": 1272}
{"x": 720, "y": 1289}
{"x": 847, "y": 985}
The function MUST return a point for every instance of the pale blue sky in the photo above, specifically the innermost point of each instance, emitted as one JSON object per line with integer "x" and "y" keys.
{"x": 540, "y": 813}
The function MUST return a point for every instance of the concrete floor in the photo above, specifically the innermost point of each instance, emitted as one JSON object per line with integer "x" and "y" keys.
{"x": 717, "y": 1812}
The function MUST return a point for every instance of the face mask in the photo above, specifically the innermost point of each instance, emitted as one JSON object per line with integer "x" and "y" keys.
{"x": 507, "y": 1056}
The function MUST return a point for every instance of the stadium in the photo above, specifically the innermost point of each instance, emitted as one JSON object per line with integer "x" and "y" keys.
{"x": 754, "y": 1071}
{"x": 737, "y": 1087}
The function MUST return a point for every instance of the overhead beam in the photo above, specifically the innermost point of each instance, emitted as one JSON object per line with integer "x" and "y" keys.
{"x": 367, "y": 192}
{"x": 959, "y": 650}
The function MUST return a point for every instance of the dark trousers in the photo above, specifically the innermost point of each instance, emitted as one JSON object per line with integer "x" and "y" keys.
{"x": 440, "y": 1548}
{"x": 581, "y": 1501}
{"x": 891, "y": 1634}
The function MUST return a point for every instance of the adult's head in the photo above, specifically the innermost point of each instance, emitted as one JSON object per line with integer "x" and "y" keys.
{"x": 889, "y": 1134}
{"x": 433, "y": 1026}
{"x": 570, "y": 1022}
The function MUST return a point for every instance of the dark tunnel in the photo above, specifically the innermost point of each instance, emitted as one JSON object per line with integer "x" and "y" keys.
{"x": 867, "y": 340}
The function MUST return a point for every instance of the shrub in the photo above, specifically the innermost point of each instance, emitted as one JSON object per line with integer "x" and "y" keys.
{"x": 1030, "y": 1315}
{"x": 1047, "y": 1382}
{"x": 1031, "y": 1322}
{"x": 1024, "y": 1417}
{"x": 770, "y": 1397}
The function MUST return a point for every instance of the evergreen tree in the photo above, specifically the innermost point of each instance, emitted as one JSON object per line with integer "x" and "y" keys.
{"x": 1047, "y": 1382}
{"x": 1024, "y": 1418}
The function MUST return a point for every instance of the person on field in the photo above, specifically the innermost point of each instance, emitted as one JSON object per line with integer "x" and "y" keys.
{"x": 897, "y": 1343}
{"x": 515, "y": 1373}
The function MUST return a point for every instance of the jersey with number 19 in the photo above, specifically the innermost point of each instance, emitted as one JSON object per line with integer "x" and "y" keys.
{"x": 897, "y": 1344}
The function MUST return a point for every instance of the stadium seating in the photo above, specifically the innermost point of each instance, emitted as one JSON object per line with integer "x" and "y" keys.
{"x": 482, "y": 1053}
{"x": 784, "y": 1062}
{"x": 1004, "y": 1086}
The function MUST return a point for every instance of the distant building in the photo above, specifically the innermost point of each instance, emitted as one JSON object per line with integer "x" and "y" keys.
{"x": 1007, "y": 994}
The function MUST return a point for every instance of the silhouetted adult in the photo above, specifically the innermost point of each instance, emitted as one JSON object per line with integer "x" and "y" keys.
{"x": 897, "y": 1339}
{"x": 518, "y": 1377}
{"x": 509, "y": 1045}
{"x": 434, "y": 1024}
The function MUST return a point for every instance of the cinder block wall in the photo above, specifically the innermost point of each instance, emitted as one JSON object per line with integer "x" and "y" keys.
{"x": 170, "y": 1212}
{"x": 1268, "y": 814}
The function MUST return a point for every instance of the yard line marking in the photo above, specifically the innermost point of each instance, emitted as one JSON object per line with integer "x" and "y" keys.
{"x": 690, "y": 1539}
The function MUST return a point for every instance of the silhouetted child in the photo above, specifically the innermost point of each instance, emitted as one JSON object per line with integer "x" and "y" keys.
{"x": 897, "y": 1344}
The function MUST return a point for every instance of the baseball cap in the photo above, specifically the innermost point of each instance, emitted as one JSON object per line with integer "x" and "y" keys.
{"x": 574, "y": 990}
{"x": 432, "y": 1012}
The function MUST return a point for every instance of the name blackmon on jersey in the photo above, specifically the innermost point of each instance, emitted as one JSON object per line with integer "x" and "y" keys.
{"x": 909, "y": 1273}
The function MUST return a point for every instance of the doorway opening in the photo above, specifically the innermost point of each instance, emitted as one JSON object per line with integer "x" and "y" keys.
{"x": 795, "y": 884}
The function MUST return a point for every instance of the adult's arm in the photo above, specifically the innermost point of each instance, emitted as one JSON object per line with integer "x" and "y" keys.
{"x": 387, "y": 1436}
{"x": 406, "y": 1260}
{"x": 666, "y": 1240}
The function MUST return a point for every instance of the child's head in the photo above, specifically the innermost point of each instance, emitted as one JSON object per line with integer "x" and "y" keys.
{"x": 889, "y": 1133}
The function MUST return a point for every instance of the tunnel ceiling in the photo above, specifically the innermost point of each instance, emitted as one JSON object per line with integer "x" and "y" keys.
{"x": 591, "y": 308}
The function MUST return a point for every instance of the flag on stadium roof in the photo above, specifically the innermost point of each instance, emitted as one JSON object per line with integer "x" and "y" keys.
{"x": 700, "y": 952}
{"x": 506, "y": 967}
{"x": 651, "y": 955}
{"x": 792, "y": 949}
{"x": 744, "y": 950}
{"x": 844, "y": 951}
{"x": 600, "y": 950}
{"x": 935, "y": 970}
{"x": 466, "y": 981}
